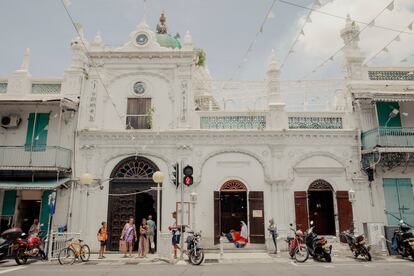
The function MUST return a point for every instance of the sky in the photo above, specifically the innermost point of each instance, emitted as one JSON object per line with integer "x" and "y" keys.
{"x": 223, "y": 28}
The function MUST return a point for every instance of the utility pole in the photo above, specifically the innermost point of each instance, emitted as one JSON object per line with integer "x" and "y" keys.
{"x": 182, "y": 230}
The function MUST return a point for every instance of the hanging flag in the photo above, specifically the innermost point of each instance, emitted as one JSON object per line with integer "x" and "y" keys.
{"x": 390, "y": 7}
{"x": 331, "y": 58}
{"x": 308, "y": 19}
{"x": 302, "y": 32}
{"x": 270, "y": 15}
{"x": 403, "y": 60}
{"x": 261, "y": 29}
{"x": 410, "y": 27}
{"x": 317, "y": 4}
{"x": 290, "y": 51}
{"x": 397, "y": 38}
{"x": 67, "y": 3}
{"x": 385, "y": 49}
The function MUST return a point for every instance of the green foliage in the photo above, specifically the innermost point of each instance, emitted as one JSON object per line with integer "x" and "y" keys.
{"x": 150, "y": 116}
{"x": 201, "y": 57}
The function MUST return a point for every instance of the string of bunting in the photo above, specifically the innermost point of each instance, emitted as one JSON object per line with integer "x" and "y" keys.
{"x": 389, "y": 7}
{"x": 397, "y": 38}
{"x": 316, "y": 4}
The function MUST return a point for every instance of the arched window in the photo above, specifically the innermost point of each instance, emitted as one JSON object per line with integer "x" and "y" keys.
{"x": 233, "y": 186}
{"x": 134, "y": 167}
{"x": 320, "y": 185}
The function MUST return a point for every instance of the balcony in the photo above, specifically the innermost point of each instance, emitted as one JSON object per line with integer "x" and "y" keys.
{"x": 396, "y": 137}
{"x": 48, "y": 158}
{"x": 232, "y": 120}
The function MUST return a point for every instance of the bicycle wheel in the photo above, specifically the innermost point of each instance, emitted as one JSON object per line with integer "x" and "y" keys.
{"x": 66, "y": 256}
{"x": 85, "y": 253}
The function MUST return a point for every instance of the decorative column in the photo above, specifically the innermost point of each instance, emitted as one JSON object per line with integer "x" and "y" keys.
{"x": 276, "y": 118}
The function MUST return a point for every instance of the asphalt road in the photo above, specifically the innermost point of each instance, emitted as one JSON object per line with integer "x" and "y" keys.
{"x": 279, "y": 267}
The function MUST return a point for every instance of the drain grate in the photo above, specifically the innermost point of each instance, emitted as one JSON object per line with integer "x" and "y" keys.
{"x": 211, "y": 261}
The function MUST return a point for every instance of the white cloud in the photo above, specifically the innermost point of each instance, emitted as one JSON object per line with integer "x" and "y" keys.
{"x": 322, "y": 37}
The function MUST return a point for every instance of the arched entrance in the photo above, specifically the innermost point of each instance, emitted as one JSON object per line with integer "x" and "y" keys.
{"x": 321, "y": 207}
{"x": 233, "y": 205}
{"x": 131, "y": 175}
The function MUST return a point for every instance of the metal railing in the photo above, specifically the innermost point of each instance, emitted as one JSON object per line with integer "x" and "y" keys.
{"x": 58, "y": 241}
{"x": 22, "y": 156}
{"x": 388, "y": 137}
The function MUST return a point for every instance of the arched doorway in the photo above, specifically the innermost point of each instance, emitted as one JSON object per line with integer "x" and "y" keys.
{"x": 233, "y": 205}
{"x": 131, "y": 175}
{"x": 321, "y": 207}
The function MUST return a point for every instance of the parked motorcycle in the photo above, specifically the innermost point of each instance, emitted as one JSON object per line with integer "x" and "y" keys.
{"x": 4, "y": 248}
{"x": 194, "y": 250}
{"x": 23, "y": 246}
{"x": 297, "y": 246}
{"x": 318, "y": 247}
{"x": 358, "y": 245}
{"x": 403, "y": 240}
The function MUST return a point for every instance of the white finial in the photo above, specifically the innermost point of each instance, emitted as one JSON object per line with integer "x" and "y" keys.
{"x": 348, "y": 17}
{"x": 26, "y": 60}
{"x": 273, "y": 61}
{"x": 188, "y": 41}
{"x": 98, "y": 38}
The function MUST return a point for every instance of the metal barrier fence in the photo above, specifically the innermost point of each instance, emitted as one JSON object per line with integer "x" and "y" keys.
{"x": 58, "y": 241}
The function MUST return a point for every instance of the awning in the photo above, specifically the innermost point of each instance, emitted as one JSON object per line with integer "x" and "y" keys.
{"x": 38, "y": 98}
{"x": 45, "y": 184}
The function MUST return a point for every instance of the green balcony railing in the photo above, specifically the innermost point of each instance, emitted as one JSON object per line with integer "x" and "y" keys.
{"x": 49, "y": 156}
{"x": 388, "y": 137}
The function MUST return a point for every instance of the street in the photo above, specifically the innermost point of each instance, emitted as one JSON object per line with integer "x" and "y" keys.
{"x": 280, "y": 266}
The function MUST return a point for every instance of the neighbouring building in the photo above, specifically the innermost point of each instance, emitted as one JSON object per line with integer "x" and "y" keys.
{"x": 151, "y": 103}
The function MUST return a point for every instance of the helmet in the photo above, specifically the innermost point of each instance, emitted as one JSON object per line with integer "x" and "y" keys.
{"x": 299, "y": 233}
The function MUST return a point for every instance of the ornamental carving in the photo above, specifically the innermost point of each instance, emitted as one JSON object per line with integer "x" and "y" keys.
{"x": 233, "y": 186}
{"x": 320, "y": 185}
{"x": 135, "y": 167}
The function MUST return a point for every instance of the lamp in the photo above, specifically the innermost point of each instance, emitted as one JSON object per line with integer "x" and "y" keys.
{"x": 158, "y": 177}
{"x": 86, "y": 179}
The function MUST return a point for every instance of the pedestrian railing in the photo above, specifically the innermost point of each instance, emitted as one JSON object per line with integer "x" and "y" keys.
{"x": 58, "y": 241}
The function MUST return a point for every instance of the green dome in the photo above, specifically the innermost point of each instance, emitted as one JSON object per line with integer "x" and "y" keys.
{"x": 165, "y": 40}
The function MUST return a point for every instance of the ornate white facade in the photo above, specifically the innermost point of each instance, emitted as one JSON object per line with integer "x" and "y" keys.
{"x": 275, "y": 153}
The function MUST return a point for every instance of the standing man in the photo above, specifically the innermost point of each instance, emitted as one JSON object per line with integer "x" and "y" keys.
{"x": 102, "y": 237}
{"x": 35, "y": 228}
{"x": 175, "y": 231}
{"x": 152, "y": 227}
{"x": 273, "y": 232}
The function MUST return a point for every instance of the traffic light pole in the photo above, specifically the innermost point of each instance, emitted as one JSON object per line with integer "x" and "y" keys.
{"x": 182, "y": 218}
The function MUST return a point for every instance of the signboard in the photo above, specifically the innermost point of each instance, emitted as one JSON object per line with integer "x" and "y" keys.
{"x": 257, "y": 213}
{"x": 186, "y": 213}
{"x": 52, "y": 203}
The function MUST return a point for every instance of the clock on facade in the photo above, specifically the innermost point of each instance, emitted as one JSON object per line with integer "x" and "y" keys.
{"x": 139, "y": 88}
{"x": 142, "y": 39}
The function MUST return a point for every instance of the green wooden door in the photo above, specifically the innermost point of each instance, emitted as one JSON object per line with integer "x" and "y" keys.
{"x": 36, "y": 137}
{"x": 399, "y": 201}
{"x": 9, "y": 203}
{"x": 44, "y": 211}
{"x": 384, "y": 109}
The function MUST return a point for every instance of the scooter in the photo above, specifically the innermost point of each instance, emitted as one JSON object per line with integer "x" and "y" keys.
{"x": 194, "y": 250}
{"x": 297, "y": 246}
{"x": 403, "y": 240}
{"x": 318, "y": 247}
{"x": 23, "y": 246}
{"x": 358, "y": 245}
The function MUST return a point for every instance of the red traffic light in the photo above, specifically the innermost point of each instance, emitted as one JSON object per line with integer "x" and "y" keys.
{"x": 188, "y": 180}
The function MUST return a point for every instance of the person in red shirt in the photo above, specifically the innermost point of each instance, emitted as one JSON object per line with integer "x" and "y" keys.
{"x": 102, "y": 237}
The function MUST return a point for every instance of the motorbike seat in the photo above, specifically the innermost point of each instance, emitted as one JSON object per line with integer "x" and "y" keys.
{"x": 289, "y": 239}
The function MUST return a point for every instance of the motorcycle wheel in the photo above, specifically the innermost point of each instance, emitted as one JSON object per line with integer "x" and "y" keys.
{"x": 196, "y": 258}
{"x": 366, "y": 254}
{"x": 85, "y": 253}
{"x": 66, "y": 256}
{"x": 301, "y": 254}
{"x": 42, "y": 255}
{"x": 327, "y": 257}
{"x": 20, "y": 257}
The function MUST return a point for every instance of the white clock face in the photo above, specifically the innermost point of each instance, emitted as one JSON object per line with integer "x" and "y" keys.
{"x": 142, "y": 39}
{"x": 139, "y": 88}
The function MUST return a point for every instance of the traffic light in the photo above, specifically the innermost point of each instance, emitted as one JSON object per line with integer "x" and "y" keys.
{"x": 188, "y": 175}
{"x": 175, "y": 175}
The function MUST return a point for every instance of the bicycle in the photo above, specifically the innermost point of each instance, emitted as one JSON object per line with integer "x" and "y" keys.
{"x": 76, "y": 249}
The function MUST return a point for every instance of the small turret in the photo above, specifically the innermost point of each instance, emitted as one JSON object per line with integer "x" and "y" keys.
{"x": 273, "y": 81}
{"x": 97, "y": 44}
{"x": 188, "y": 42}
{"x": 352, "y": 52}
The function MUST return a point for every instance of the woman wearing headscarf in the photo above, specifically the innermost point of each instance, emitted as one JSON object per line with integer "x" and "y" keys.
{"x": 273, "y": 232}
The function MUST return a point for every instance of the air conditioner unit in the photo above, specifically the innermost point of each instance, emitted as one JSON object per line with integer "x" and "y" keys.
{"x": 10, "y": 121}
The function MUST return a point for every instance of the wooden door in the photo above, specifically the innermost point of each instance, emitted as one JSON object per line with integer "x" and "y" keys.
{"x": 256, "y": 217}
{"x": 345, "y": 216}
{"x": 121, "y": 208}
{"x": 301, "y": 210}
{"x": 217, "y": 218}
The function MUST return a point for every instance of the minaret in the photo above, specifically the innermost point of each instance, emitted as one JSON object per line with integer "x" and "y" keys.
{"x": 353, "y": 56}
{"x": 20, "y": 81}
{"x": 277, "y": 118}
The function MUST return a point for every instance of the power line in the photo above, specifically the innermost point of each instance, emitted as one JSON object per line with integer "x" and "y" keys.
{"x": 331, "y": 57}
{"x": 93, "y": 64}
